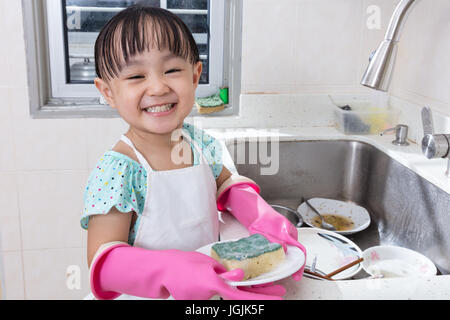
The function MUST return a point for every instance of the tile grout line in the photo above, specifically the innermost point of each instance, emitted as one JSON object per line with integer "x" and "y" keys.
{"x": 16, "y": 178}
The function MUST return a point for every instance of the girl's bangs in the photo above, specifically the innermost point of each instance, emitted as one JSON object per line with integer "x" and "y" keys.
{"x": 138, "y": 31}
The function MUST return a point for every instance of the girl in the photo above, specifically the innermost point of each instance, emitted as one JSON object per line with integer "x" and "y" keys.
{"x": 145, "y": 210}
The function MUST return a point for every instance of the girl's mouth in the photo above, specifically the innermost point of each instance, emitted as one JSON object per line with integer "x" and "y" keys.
{"x": 160, "y": 111}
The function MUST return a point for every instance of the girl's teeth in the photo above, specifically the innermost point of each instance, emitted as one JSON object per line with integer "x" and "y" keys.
{"x": 163, "y": 108}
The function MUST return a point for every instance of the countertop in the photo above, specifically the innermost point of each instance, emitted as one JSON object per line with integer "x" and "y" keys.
{"x": 436, "y": 287}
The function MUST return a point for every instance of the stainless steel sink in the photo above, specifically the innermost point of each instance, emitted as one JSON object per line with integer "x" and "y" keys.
{"x": 405, "y": 209}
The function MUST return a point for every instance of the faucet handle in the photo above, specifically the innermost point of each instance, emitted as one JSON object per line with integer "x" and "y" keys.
{"x": 433, "y": 145}
{"x": 427, "y": 121}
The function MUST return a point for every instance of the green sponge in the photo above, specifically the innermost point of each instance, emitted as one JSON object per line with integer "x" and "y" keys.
{"x": 209, "y": 104}
{"x": 245, "y": 248}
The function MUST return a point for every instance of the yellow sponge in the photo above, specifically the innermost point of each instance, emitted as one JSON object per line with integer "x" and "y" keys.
{"x": 255, "y": 255}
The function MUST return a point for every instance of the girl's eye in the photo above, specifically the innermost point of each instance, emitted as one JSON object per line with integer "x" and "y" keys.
{"x": 173, "y": 70}
{"x": 135, "y": 77}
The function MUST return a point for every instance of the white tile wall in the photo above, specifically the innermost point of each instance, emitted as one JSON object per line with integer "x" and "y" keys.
{"x": 8, "y": 154}
{"x": 50, "y": 205}
{"x": 12, "y": 50}
{"x": 9, "y": 215}
{"x": 102, "y": 135}
{"x": 293, "y": 46}
{"x": 14, "y": 279}
{"x": 50, "y": 144}
{"x": 422, "y": 72}
{"x": 46, "y": 273}
{"x": 308, "y": 48}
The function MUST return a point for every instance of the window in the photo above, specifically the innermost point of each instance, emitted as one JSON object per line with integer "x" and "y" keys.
{"x": 62, "y": 80}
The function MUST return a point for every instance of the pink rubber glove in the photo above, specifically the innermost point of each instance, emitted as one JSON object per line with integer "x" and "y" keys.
{"x": 243, "y": 201}
{"x": 158, "y": 274}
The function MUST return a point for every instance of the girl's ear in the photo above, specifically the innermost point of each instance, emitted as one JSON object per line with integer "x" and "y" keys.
{"x": 198, "y": 68}
{"x": 105, "y": 91}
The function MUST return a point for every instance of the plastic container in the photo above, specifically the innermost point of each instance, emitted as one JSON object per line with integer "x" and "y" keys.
{"x": 365, "y": 119}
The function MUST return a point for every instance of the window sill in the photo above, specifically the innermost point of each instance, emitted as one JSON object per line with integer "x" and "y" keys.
{"x": 93, "y": 109}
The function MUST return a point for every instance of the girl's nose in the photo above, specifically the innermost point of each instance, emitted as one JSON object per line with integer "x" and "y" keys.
{"x": 157, "y": 87}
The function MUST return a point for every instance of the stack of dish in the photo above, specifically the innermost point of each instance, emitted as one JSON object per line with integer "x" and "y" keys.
{"x": 328, "y": 251}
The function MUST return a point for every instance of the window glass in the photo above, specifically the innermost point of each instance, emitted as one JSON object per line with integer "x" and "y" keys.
{"x": 187, "y": 4}
{"x": 85, "y": 18}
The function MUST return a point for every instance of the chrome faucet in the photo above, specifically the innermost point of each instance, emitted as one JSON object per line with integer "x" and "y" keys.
{"x": 434, "y": 145}
{"x": 378, "y": 76}
{"x": 382, "y": 60}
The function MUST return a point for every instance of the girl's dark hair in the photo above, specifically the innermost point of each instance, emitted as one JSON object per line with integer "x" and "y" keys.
{"x": 139, "y": 28}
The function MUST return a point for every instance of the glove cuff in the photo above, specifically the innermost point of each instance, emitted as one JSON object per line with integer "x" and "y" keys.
{"x": 232, "y": 181}
{"x": 96, "y": 267}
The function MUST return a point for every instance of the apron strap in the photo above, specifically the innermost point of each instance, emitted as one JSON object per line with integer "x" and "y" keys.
{"x": 141, "y": 159}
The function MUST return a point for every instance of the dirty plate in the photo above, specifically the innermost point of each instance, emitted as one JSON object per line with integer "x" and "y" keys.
{"x": 344, "y": 211}
{"x": 330, "y": 251}
{"x": 295, "y": 258}
{"x": 394, "y": 262}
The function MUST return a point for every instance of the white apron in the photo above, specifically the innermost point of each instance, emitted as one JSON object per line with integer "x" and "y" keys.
{"x": 180, "y": 210}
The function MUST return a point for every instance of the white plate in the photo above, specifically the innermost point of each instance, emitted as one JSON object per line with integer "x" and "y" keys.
{"x": 295, "y": 258}
{"x": 357, "y": 214}
{"x": 393, "y": 262}
{"x": 332, "y": 251}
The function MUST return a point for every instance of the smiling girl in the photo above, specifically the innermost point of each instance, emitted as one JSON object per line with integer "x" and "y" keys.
{"x": 146, "y": 212}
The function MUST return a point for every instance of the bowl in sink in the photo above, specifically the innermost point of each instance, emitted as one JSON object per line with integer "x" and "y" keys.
{"x": 395, "y": 262}
{"x": 293, "y": 216}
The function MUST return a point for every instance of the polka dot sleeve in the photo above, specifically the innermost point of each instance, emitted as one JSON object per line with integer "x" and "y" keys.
{"x": 116, "y": 182}
{"x": 211, "y": 147}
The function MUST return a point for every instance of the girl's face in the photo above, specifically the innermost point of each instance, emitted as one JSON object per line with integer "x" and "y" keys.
{"x": 154, "y": 92}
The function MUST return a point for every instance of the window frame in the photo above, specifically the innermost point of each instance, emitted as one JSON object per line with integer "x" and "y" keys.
{"x": 44, "y": 104}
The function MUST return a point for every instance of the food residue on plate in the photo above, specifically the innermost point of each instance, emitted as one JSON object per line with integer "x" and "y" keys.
{"x": 339, "y": 222}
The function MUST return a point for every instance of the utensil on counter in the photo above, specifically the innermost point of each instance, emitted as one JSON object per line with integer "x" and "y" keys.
{"x": 329, "y": 276}
{"x": 313, "y": 265}
{"x": 314, "y": 272}
{"x": 318, "y": 275}
{"x": 349, "y": 265}
{"x": 324, "y": 224}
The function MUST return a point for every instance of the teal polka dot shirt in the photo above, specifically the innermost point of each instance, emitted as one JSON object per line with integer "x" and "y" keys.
{"x": 121, "y": 182}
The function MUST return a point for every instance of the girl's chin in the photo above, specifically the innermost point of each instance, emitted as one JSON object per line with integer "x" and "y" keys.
{"x": 164, "y": 125}
{"x": 163, "y": 130}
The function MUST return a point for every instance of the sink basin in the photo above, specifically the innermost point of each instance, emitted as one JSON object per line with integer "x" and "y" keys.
{"x": 406, "y": 210}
